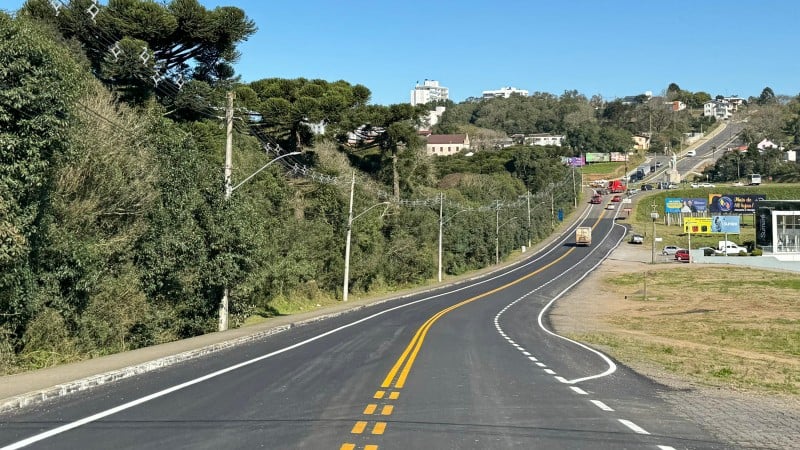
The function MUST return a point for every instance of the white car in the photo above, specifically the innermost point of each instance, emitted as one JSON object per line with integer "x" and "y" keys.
{"x": 691, "y": 153}
{"x": 707, "y": 185}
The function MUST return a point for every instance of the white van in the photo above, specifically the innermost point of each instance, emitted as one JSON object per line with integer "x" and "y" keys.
{"x": 691, "y": 153}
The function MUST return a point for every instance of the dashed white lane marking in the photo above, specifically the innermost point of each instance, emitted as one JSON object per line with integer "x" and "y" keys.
{"x": 549, "y": 372}
{"x": 633, "y": 426}
{"x": 541, "y": 364}
{"x": 578, "y": 390}
{"x": 601, "y": 405}
{"x": 532, "y": 358}
{"x": 562, "y": 380}
{"x": 526, "y": 353}
{"x": 665, "y": 447}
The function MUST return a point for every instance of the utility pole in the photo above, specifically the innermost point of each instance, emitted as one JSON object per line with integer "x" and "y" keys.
{"x": 654, "y": 216}
{"x": 497, "y": 234}
{"x": 347, "y": 245}
{"x": 529, "y": 218}
{"x": 441, "y": 223}
{"x": 223, "y": 306}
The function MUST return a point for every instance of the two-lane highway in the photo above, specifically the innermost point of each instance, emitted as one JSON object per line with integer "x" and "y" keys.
{"x": 469, "y": 366}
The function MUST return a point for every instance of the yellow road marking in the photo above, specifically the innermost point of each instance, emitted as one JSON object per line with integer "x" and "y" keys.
{"x": 371, "y": 447}
{"x": 359, "y": 427}
{"x": 394, "y": 395}
{"x": 380, "y": 427}
{"x": 387, "y": 410}
{"x": 347, "y": 447}
{"x": 379, "y": 394}
{"x": 370, "y": 409}
{"x": 409, "y": 355}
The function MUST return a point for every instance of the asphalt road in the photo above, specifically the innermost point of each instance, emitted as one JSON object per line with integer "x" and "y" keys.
{"x": 473, "y": 366}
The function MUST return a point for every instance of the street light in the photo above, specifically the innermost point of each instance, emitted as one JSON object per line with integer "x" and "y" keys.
{"x": 497, "y": 237}
{"x": 350, "y": 220}
{"x": 223, "y": 304}
{"x": 443, "y": 221}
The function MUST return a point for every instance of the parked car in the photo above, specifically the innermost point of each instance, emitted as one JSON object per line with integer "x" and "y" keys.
{"x": 616, "y": 198}
{"x": 647, "y": 187}
{"x": 708, "y": 251}
{"x": 637, "y": 239}
{"x": 682, "y": 255}
{"x": 707, "y": 185}
{"x": 670, "y": 249}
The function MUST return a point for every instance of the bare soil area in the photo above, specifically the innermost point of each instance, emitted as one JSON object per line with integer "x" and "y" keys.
{"x": 743, "y": 418}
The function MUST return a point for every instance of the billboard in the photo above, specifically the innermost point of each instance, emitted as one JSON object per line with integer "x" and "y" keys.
{"x": 685, "y": 205}
{"x": 597, "y": 157}
{"x": 574, "y": 161}
{"x": 734, "y": 203}
{"x": 618, "y": 157}
{"x": 711, "y": 225}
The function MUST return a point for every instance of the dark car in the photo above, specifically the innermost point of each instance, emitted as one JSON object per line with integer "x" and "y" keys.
{"x": 682, "y": 255}
{"x": 647, "y": 187}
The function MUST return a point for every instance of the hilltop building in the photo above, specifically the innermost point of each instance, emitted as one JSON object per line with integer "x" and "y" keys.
{"x": 504, "y": 92}
{"x": 428, "y": 92}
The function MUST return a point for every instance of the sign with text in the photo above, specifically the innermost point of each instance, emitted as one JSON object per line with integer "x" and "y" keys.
{"x": 711, "y": 225}
{"x": 685, "y": 205}
{"x": 597, "y": 157}
{"x": 734, "y": 203}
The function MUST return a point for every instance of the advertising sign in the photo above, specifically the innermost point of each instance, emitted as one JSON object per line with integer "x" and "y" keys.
{"x": 701, "y": 225}
{"x": 597, "y": 157}
{"x": 685, "y": 205}
{"x": 618, "y": 157}
{"x": 574, "y": 161}
{"x": 725, "y": 224}
{"x": 733, "y": 203}
{"x": 711, "y": 225}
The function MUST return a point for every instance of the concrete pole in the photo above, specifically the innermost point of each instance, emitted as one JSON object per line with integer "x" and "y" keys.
{"x": 441, "y": 223}
{"x": 223, "y": 306}
{"x": 345, "y": 286}
{"x": 529, "y": 219}
{"x": 497, "y": 234}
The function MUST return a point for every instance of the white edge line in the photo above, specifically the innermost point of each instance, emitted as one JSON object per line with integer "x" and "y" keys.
{"x": 80, "y": 422}
{"x": 611, "y": 366}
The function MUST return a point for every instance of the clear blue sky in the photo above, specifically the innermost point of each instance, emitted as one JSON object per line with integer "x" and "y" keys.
{"x": 612, "y": 48}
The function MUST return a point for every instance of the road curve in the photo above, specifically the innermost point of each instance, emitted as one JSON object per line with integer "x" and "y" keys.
{"x": 470, "y": 366}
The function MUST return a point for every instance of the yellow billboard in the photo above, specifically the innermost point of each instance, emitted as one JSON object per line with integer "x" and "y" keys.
{"x": 697, "y": 225}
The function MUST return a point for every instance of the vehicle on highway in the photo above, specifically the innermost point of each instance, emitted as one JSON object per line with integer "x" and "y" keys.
{"x": 647, "y": 187}
{"x": 670, "y": 249}
{"x": 707, "y": 185}
{"x": 637, "y": 239}
{"x": 610, "y": 206}
{"x": 583, "y": 236}
{"x": 596, "y": 199}
{"x": 691, "y": 153}
{"x": 682, "y": 255}
{"x": 616, "y": 198}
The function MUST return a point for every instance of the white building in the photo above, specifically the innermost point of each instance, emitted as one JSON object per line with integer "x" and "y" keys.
{"x": 428, "y": 92}
{"x": 434, "y": 116}
{"x": 719, "y": 109}
{"x": 504, "y": 92}
{"x": 544, "y": 139}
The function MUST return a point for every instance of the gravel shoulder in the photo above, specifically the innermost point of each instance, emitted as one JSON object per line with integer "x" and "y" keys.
{"x": 742, "y": 419}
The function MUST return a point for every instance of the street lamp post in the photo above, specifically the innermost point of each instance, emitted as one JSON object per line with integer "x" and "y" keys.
{"x": 654, "y": 216}
{"x": 224, "y": 302}
{"x": 497, "y": 236}
{"x": 350, "y": 220}
{"x": 443, "y": 221}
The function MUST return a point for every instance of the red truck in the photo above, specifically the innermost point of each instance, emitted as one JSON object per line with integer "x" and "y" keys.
{"x": 616, "y": 187}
